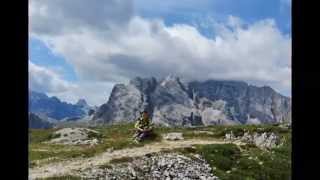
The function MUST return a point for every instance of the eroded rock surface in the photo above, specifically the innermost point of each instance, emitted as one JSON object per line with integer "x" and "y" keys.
{"x": 262, "y": 140}
{"x": 75, "y": 136}
{"x": 155, "y": 166}
{"x": 172, "y": 102}
{"x": 173, "y": 136}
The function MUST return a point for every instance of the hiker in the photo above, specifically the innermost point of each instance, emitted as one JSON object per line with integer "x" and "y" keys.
{"x": 143, "y": 126}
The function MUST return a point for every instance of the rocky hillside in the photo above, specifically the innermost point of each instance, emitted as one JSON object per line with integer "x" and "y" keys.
{"x": 206, "y": 152}
{"x": 172, "y": 102}
{"x": 35, "y": 122}
{"x": 52, "y": 107}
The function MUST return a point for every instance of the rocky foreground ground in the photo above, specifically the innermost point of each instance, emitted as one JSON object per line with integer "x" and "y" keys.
{"x": 156, "y": 166}
{"x": 205, "y": 153}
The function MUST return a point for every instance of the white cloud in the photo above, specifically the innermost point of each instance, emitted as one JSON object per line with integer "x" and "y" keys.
{"x": 95, "y": 93}
{"x": 49, "y": 17}
{"x": 258, "y": 53}
{"x": 44, "y": 80}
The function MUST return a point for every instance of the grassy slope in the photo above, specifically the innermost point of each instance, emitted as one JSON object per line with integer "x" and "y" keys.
{"x": 116, "y": 137}
{"x": 249, "y": 163}
{"x": 227, "y": 159}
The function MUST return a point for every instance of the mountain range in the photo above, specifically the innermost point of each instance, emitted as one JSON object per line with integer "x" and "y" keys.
{"x": 172, "y": 102}
{"x": 53, "y": 109}
{"x": 36, "y": 122}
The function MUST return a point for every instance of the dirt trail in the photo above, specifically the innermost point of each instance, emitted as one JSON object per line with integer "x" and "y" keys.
{"x": 78, "y": 164}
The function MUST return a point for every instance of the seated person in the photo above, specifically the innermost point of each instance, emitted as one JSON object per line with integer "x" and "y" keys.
{"x": 143, "y": 126}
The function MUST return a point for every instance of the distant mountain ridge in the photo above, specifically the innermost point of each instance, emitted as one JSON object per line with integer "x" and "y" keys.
{"x": 35, "y": 122}
{"x": 54, "y": 108}
{"x": 174, "y": 103}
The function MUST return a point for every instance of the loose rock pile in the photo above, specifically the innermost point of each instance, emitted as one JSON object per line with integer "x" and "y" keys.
{"x": 168, "y": 166}
{"x": 263, "y": 140}
{"x": 173, "y": 136}
{"x": 75, "y": 136}
{"x": 285, "y": 126}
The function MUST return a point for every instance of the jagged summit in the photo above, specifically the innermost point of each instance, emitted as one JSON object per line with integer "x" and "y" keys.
{"x": 82, "y": 103}
{"x": 52, "y": 107}
{"x": 171, "y": 102}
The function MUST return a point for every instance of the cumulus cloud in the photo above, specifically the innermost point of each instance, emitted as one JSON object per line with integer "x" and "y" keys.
{"x": 103, "y": 50}
{"x": 95, "y": 93}
{"x": 49, "y": 17}
{"x": 44, "y": 80}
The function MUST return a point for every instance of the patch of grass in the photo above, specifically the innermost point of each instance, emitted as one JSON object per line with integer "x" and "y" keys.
{"x": 253, "y": 163}
{"x": 114, "y": 136}
{"x": 92, "y": 135}
{"x": 54, "y": 135}
{"x": 197, "y": 134}
{"x": 186, "y": 150}
{"x": 222, "y": 156}
{"x": 121, "y": 160}
{"x": 40, "y": 135}
{"x": 248, "y": 146}
{"x": 36, "y": 155}
{"x": 61, "y": 153}
{"x": 238, "y": 130}
{"x": 229, "y": 163}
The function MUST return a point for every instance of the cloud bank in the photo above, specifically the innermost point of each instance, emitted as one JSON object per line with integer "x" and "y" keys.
{"x": 109, "y": 43}
{"x": 45, "y": 80}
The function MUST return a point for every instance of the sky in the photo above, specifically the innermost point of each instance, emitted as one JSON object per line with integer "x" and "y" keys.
{"x": 81, "y": 49}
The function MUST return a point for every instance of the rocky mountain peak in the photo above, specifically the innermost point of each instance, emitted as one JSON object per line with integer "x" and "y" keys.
{"x": 171, "y": 102}
{"x": 37, "y": 95}
{"x": 82, "y": 103}
{"x": 144, "y": 84}
{"x": 170, "y": 80}
{"x": 52, "y": 107}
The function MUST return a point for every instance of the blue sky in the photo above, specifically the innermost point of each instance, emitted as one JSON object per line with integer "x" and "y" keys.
{"x": 62, "y": 60}
{"x": 248, "y": 10}
{"x": 41, "y": 55}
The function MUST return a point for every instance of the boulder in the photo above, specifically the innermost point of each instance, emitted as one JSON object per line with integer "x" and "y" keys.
{"x": 173, "y": 136}
{"x": 75, "y": 136}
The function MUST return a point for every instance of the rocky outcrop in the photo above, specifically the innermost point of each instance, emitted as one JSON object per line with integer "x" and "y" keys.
{"x": 261, "y": 140}
{"x": 75, "y": 136}
{"x": 173, "y": 136}
{"x": 155, "y": 166}
{"x": 171, "y": 102}
{"x": 35, "y": 122}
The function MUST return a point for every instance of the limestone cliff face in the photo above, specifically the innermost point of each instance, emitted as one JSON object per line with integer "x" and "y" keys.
{"x": 173, "y": 103}
{"x": 35, "y": 122}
